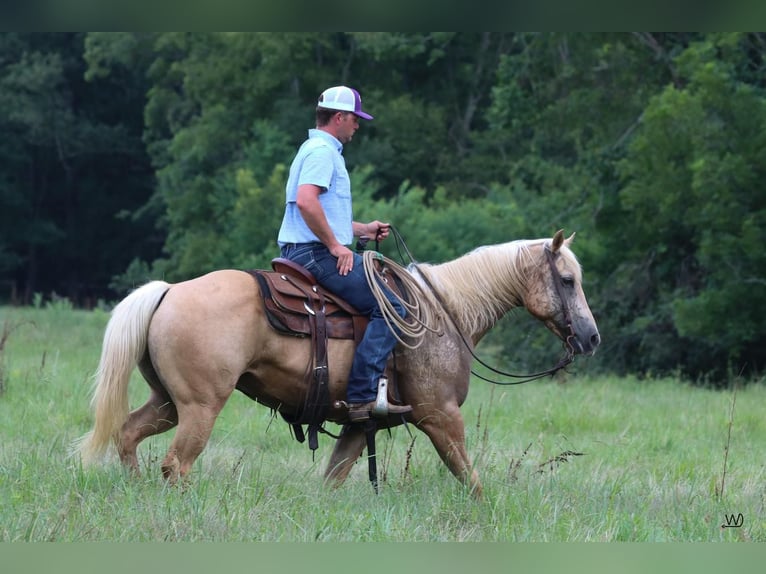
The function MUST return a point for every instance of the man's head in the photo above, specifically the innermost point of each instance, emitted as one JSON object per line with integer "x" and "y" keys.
{"x": 342, "y": 99}
{"x": 338, "y": 111}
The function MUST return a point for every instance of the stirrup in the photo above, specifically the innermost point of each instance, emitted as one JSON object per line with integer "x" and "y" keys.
{"x": 380, "y": 409}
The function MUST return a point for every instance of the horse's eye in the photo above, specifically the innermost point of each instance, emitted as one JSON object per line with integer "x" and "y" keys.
{"x": 568, "y": 281}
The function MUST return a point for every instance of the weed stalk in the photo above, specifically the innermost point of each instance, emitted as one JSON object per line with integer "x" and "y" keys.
{"x": 719, "y": 491}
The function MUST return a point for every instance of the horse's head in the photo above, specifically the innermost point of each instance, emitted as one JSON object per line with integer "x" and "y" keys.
{"x": 555, "y": 295}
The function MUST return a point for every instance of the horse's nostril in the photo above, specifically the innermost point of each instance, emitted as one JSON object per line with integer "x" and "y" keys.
{"x": 595, "y": 339}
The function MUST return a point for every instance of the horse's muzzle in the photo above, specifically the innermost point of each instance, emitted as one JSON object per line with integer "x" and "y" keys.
{"x": 586, "y": 344}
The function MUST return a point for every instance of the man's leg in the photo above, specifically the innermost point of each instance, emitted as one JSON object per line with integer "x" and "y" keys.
{"x": 378, "y": 341}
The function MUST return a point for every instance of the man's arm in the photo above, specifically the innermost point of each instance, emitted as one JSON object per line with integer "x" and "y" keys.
{"x": 313, "y": 214}
{"x": 376, "y": 230}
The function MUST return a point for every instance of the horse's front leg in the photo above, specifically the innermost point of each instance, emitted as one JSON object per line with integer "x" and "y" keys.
{"x": 347, "y": 450}
{"x": 445, "y": 428}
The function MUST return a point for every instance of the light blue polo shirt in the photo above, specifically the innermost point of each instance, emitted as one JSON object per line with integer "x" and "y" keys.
{"x": 319, "y": 161}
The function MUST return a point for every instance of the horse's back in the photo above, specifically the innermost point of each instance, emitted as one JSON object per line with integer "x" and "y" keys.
{"x": 213, "y": 292}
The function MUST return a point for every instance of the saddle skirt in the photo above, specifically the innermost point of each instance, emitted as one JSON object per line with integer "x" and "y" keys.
{"x": 293, "y": 300}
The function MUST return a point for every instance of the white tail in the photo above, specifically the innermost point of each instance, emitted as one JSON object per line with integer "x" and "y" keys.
{"x": 124, "y": 345}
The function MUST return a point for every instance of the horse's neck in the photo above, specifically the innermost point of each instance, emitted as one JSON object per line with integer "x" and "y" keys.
{"x": 478, "y": 289}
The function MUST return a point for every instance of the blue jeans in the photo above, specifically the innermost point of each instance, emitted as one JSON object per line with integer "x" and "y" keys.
{"x": 378, "y": 341}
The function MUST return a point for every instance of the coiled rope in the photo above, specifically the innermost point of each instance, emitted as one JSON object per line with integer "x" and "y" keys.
{"x": 422, "y": 315}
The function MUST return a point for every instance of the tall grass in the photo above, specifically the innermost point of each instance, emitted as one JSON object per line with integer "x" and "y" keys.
{"x": 589, "y": 459}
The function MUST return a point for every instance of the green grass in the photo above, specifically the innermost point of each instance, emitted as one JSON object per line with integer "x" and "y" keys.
{"x": 650, "y": 468}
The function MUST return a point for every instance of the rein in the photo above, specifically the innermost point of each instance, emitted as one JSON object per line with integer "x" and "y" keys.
{"x": 566, "y": 360}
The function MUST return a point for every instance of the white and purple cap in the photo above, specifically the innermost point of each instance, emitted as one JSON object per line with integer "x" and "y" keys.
{"x": 344, "y": 99}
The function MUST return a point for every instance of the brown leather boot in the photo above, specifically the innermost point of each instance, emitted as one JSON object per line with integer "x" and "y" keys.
{"x": 360, "y": 412}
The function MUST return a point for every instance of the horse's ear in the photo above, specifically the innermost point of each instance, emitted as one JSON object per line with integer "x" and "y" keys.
{"x": 558, "y": 240}
{"x": 568, "y": 240}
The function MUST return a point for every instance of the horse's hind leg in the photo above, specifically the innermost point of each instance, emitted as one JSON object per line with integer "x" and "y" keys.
{"x": 446, "y": 430}
{"x": 195, "y": 424}
{"x": 156, "y": 416}
{"x": 346, "y": 452}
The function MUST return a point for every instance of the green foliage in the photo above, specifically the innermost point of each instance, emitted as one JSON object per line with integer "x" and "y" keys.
{"x": 689, "y": 179}
{"x": 71, "y": 161}
{"x": 139, "y": 155}
{"x": 137, "y": 273}
{"x": 255, "y": 220}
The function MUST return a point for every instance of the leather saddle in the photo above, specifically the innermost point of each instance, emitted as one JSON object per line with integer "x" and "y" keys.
{"x": 296, "y": 304}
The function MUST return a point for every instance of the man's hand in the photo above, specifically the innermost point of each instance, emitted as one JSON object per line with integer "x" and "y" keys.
{"x": 345, "y": 258}
{"x": 378, "y": 230}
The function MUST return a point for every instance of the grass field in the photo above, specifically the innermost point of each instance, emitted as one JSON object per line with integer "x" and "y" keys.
{"x": 588, "y": 459}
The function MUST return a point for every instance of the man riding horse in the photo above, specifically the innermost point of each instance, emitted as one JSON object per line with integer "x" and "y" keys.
{"x": 317, "y": 229}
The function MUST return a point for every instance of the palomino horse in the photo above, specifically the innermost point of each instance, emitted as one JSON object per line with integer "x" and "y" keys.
{"x": 197, "y": 341}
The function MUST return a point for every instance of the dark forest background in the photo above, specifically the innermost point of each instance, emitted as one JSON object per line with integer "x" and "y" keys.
{"x": 127, "y": 156}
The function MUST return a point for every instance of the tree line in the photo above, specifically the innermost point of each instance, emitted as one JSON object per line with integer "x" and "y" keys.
{"x": 130, "y": 156}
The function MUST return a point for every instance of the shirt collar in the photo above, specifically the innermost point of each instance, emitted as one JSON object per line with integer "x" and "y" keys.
{"x": 317, "y": 133}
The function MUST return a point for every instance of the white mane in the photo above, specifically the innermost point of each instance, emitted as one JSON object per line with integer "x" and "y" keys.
{"x": 484, "y": 284}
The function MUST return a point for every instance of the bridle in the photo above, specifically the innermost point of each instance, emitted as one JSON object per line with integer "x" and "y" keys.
{"x": 557, "y": 282}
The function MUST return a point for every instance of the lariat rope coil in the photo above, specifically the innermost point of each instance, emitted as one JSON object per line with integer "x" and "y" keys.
{"x": 421, "y": 318}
